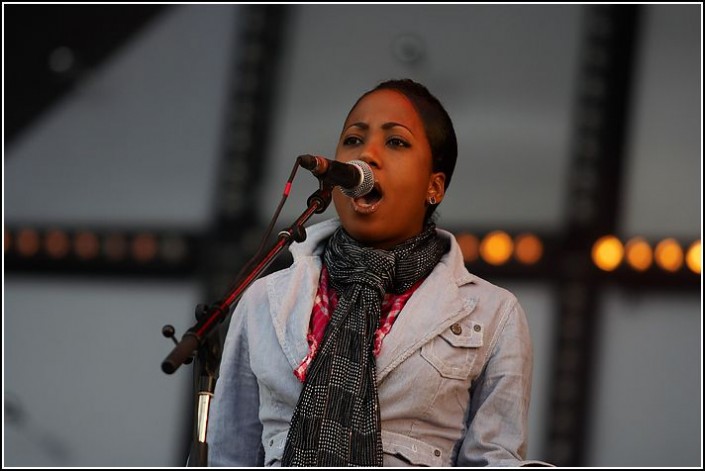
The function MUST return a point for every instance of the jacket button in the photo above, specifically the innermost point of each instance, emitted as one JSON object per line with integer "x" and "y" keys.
{"x": 456, "y": 329}
{"x": 437, "y": 452}
{"x": 477, "y": 328}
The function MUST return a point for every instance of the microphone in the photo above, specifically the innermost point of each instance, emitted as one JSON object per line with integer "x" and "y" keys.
{"x": 354, "y": 178}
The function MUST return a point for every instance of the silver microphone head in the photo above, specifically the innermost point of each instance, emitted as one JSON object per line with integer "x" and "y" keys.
{"x": 366, "y": 183}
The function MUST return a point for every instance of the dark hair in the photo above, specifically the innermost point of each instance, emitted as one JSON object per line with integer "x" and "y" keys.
{"x": 436, "y": 122}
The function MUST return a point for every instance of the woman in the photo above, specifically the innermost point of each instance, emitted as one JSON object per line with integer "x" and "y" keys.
{"x": 377, "y": 346}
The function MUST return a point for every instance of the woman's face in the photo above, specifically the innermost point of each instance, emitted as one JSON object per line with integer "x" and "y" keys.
{"x": 385, "y": 131}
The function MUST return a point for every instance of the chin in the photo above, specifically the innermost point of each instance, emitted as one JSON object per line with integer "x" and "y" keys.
{"x": 373, "y": 233}
{"x": 363, "y": 229}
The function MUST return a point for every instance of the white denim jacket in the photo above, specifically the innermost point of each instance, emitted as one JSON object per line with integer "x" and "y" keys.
{"x": 454, "y": 373}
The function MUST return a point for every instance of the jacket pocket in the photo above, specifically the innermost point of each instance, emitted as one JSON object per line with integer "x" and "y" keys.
{"x": 455, "y": 351}
{"x": 403, "y": 450}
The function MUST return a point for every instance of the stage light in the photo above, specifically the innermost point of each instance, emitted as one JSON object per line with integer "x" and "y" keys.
{"x": 639, "y": 254}
{"x": 607, "y": 253}
{"x": 27, "y": 242}
{"x": 62, "y": 60}
{"x": 115, "y": 247}
{"x": 694, "y": 257}
{"x": 669, "y": 255}
{"x": 496, "y": 248}
{"x": 528, "y": 248}
{"x": 469, "y": 246}
{"x": 86, "y": 245}
{"x": 173, "y": 249}
{"x": 56, "y": 243}
{"x": 144, "y": 247}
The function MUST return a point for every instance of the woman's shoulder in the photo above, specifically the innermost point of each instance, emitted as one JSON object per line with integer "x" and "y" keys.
{"x": 469, "y": 283}
{"x": 488, "y": 288}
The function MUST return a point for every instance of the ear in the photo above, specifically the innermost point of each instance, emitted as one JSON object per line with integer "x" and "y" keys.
{"x": 436, "y": 187}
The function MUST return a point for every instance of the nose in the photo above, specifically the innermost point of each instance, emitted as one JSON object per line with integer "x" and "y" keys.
{"x": 371, "y": 156}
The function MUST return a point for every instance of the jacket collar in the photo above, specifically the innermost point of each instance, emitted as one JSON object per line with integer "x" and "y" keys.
{"x": 318, "y": 233}
{"x": 315, "y": 236}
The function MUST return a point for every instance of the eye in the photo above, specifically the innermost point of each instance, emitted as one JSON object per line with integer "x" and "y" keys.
{"x": 352, "y": 141}
{"x": 398, "y": 142}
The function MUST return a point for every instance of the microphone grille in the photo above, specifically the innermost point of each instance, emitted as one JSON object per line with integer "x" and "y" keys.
{"x": 366, "y": 183}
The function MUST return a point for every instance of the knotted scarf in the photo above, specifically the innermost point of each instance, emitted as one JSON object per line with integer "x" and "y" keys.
{"x": 336, "y": 421}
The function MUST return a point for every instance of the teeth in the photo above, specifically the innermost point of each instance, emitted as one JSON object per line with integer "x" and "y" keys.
{"x": 362, "y": 201}
{"x": 365, "y": 205}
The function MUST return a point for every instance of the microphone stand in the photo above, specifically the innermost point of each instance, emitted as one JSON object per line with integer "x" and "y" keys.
{"x": 199, "y": 339}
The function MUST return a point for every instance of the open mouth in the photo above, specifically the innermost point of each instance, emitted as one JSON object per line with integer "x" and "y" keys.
{"x": 368, "y": 203}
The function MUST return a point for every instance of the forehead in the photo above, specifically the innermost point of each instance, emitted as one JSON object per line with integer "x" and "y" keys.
{"x": 385, "y": 106}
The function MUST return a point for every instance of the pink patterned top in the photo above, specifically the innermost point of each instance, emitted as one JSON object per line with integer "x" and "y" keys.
{"x": 323, "y": 307}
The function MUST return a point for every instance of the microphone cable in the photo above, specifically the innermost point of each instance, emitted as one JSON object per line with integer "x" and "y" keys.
{"x": 272, "y": 222}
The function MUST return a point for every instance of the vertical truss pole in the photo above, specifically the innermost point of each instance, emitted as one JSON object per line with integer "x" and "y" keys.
{"x": 601, "y": 127}
{"x": 245, "y": 144}
{"x": 253, "y": 83}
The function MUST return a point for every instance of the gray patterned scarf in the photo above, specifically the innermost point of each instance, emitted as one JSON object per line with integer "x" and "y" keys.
{"x": 337, "y": 420}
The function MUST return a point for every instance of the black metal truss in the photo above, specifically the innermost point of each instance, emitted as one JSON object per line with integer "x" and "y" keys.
{"x": 601, "y": 126}
{"x": 177, "y": 253}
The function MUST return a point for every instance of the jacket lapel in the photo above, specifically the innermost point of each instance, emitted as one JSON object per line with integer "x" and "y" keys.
{"x": 291, "y": 295}
{"x": 291, "y": 292}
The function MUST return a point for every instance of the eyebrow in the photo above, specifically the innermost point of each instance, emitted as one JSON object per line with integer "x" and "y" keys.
{"x": 385, "y": 126}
